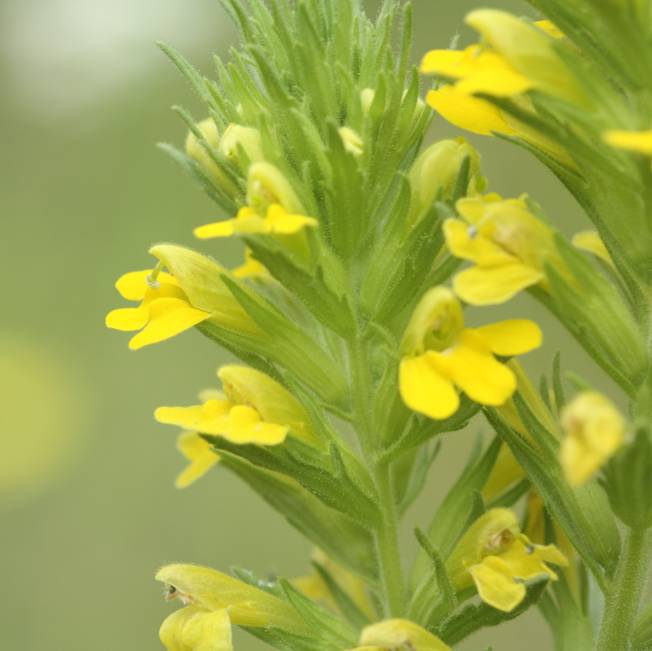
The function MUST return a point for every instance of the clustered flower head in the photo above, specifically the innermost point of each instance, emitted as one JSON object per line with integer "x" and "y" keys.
{"x": 356, "y": 317}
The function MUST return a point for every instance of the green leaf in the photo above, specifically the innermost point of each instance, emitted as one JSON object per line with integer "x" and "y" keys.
{"x": 472, "y": 618}
{"x": 292, "y": 347}
{"x": 327, "y": 626}
{"x": 417, "y": 475}
{"x": 311, "y": 288}
{"x": 445, "y": 590}
{"x": 187, "y": 70}
{"x": 570, "y": 627}
{"x": 340, "y": 537}
{"x": 280, "y": 639}
{"x": 315, "y": 471}
{"x": 346, "y": 605}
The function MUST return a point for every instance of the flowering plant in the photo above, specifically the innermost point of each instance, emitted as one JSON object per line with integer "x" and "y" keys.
{"x": 363, "y": 249}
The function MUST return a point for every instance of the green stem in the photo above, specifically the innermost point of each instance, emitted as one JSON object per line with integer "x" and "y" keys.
{"x": 389, "y": 555}
{"x": 625, "y": 592}
{"x": 386, "y": 532}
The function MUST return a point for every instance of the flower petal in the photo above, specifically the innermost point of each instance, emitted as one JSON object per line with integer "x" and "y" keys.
{"x": 468, "y": 112}
{"x": 201, "y": 455}
{"x": 134, "y": 285}
{"x": 128, "y": 319}
{"x": 512, "y": 337}
{"x": 470, "y": 243}
{"x": 216, "y": 229}
{"x": 168, "y": 317}
{"x": 281, "y": 222}
{"x": 636, "y": 141}
{"x": 475, "y": 370}
{"x": 208, "y": 418}
{"x": 495, "y": 584}
{"x": 244, "y": 426}
{"x": 195, "y": 629}
{"x": 397, "y": 633}
{"x": 425, "y": 390}
{"x": 494, "y": 285}
{"x": 591, "y": 242}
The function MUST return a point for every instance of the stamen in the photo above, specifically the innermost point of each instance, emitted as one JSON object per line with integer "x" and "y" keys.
{"x": 152, "y": 279}
{"x": 472, "y": 232}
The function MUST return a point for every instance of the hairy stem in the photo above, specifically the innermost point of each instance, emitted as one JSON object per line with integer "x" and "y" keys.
{"x": 386, "y": 532}
{"x": 624, "y": 596}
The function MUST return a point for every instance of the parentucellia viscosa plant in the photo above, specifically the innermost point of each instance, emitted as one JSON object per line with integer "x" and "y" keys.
{"x": 362, "y": 250}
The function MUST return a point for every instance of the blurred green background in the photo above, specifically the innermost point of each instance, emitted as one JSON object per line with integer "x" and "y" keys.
{"x": 87, "y": 506}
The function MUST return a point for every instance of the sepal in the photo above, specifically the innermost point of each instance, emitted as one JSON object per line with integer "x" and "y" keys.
{"x": 627, "y": 480}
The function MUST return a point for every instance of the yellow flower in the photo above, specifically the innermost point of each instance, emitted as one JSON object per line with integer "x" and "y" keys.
{"x": 203, "y": 591}
{"x": 529, "y": 50}
{"x": 594, "y": 429}
{"x": 196, "y": 629}
{"x": 478, "y": 70}
{"x": 201, "y": 455}
{"x": 591, "y": 242}
{"x": 480, "y": 116}
{"x": 508, "y": 245}
{"x": 639, "y": 142}
{"x": 251, "y": 268}
{"x": 394, "y": 634}
{"x": 313, "y": 586}
{"x": 468, "y": 112}
{"x": 239, "y": 424}
{"x": 248, "y": 222}
{"x": 255, "y": 410}
{"x": 164, "y": 310}
{"x": 439, "y": 354}
{"x": 495, "y": 556}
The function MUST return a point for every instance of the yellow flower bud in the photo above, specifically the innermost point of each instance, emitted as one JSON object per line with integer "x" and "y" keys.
{"x": 435, "y": 323}
{"x": 435, "y": 173}
{"x": 209, "y": 590}
{"x": 200, "y": 279}
{"x": 353, "y": 143}
{"x": 399, "y": 633}
{"x": 267, "y": 186}
{"x": 196, "y": 629}
{"x": 595, "y": 429}
{"x": 198, "y": 153}
{"x": 237, "y": 136}
{"x": 246, "y": 386}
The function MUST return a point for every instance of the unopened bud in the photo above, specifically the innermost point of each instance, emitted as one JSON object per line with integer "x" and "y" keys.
{"x": 196, "y": 150}
{"x": 434, "y": 174}
{"x": 353, "y": 143}
{"x": 247, "y": 138}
